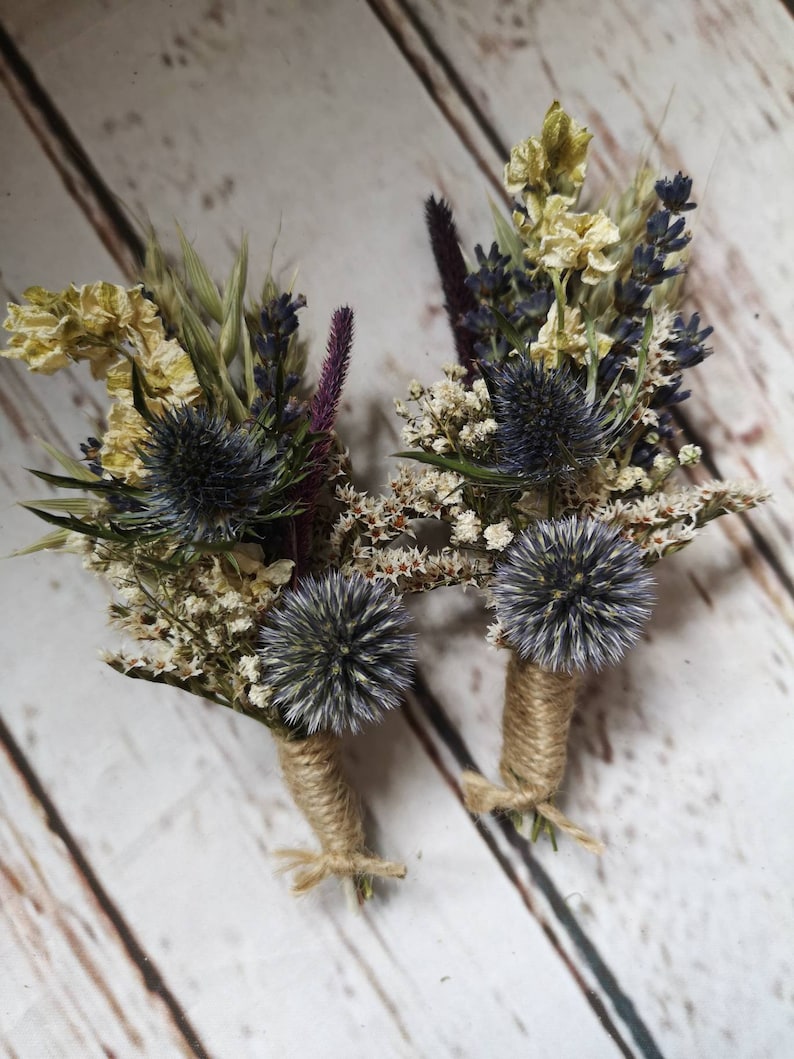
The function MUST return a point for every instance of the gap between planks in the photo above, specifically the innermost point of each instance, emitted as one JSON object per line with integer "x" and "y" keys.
{"x": 152, "y": 978}
{"x": 80, "y": 178}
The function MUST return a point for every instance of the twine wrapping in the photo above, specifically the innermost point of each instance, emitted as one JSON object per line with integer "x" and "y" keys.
{"x": 312, "y": 769}
{"x": 537, "y": 715}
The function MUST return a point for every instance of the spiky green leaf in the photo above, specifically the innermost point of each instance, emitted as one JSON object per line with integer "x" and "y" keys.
{"x": 509, "y": 331}
{"x": 96, "y": 485}
{"x": 473, "y": 471}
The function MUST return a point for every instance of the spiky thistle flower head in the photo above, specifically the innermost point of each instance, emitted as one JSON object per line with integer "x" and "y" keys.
{"x": 336, "y": 653}
{"x": 205, "y": 477}
{"x": 573, "y": 594}
{"x": 546, "y": 427}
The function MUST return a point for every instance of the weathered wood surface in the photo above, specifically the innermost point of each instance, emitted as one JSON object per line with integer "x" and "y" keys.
{"x": 679, "y": 940}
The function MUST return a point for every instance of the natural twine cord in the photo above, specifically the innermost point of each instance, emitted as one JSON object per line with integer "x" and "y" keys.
{"x": 537, "y": 715}
{"x": 313, "y": 773}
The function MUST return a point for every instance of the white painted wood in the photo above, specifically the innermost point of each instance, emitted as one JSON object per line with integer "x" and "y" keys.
{"x": 177, "y": 805}
{"x": 69, "y": 987}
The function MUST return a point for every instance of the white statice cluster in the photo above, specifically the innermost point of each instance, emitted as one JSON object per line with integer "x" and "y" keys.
{"x": 194, "y": 625}
{"x": 665, "y": 522}
{"x": 449, "y": 416}
{"x": 376, "y": 535}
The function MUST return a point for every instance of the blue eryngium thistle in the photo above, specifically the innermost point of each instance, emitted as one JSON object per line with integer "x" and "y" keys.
{"x": 546, "y": 427}
{"x": 205, "y": 477}
{"x": 572, "y": 594}
{"x": 336, "y": 653}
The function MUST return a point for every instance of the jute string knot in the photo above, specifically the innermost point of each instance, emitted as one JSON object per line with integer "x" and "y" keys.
{"x": 312, "y": 769}
{"x": 536, "y": 720}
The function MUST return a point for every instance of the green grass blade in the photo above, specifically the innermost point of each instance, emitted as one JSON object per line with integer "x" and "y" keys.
{"x": 56, "y": 539}
{"x": 233, "y": 297}
{"x": 200, "y": 280}
{"x": 73, "y": 505}
{"x": 76, "y": 468}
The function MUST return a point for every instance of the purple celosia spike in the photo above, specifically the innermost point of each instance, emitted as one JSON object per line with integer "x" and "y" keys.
{"x": 458, "y": 299}
{"x": 324, "y": 410}
{"x": 332, "y": 377}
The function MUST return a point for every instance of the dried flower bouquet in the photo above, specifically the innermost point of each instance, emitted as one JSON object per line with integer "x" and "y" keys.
{"x": 550, "y": 446}
{"x": 206, "y": 504}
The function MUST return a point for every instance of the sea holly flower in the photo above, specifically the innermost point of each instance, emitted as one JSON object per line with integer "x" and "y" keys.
{"x": 546, "y": 429}
{"x": 205, "y": 478}
{"x": 572, "y": 594}
{"x": 336, "y": 654}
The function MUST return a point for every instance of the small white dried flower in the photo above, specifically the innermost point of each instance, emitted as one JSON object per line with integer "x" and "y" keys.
{"x": 249, "y": 668}
{"x": 689, "y": 455}
{"x": 230, "y": 600}
{"x": 497, "y": 536}
{"x": 259, "y": 695}
{"x": 495, "y": 634}
{"x": 630, "y": 478}
{"x": 195, "y": 606}
{"x": 467, "y": 528}
{"x": 664, "y": 465}
{"x": 80, "y": 543}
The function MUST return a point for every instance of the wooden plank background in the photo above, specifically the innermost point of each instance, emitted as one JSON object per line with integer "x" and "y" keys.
{"x": 140, "y": 913}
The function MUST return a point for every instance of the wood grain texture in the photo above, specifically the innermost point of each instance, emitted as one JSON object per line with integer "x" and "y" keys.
{"x": 667, "y": 758}
{"x": 70, "y": 986}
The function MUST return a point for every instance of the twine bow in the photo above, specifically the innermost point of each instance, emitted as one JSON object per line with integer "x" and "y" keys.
{"x": 318, "y": 866}
{"x": 536, "y": 720}
{"x": 313, "y": 772}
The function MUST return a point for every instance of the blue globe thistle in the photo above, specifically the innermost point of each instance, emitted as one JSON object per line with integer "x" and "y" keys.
{"x": 546, "y": 428}
{"x": 205, "y": 477}
{"x": 573, "y": 594}
{"x": 336, "y": 654}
